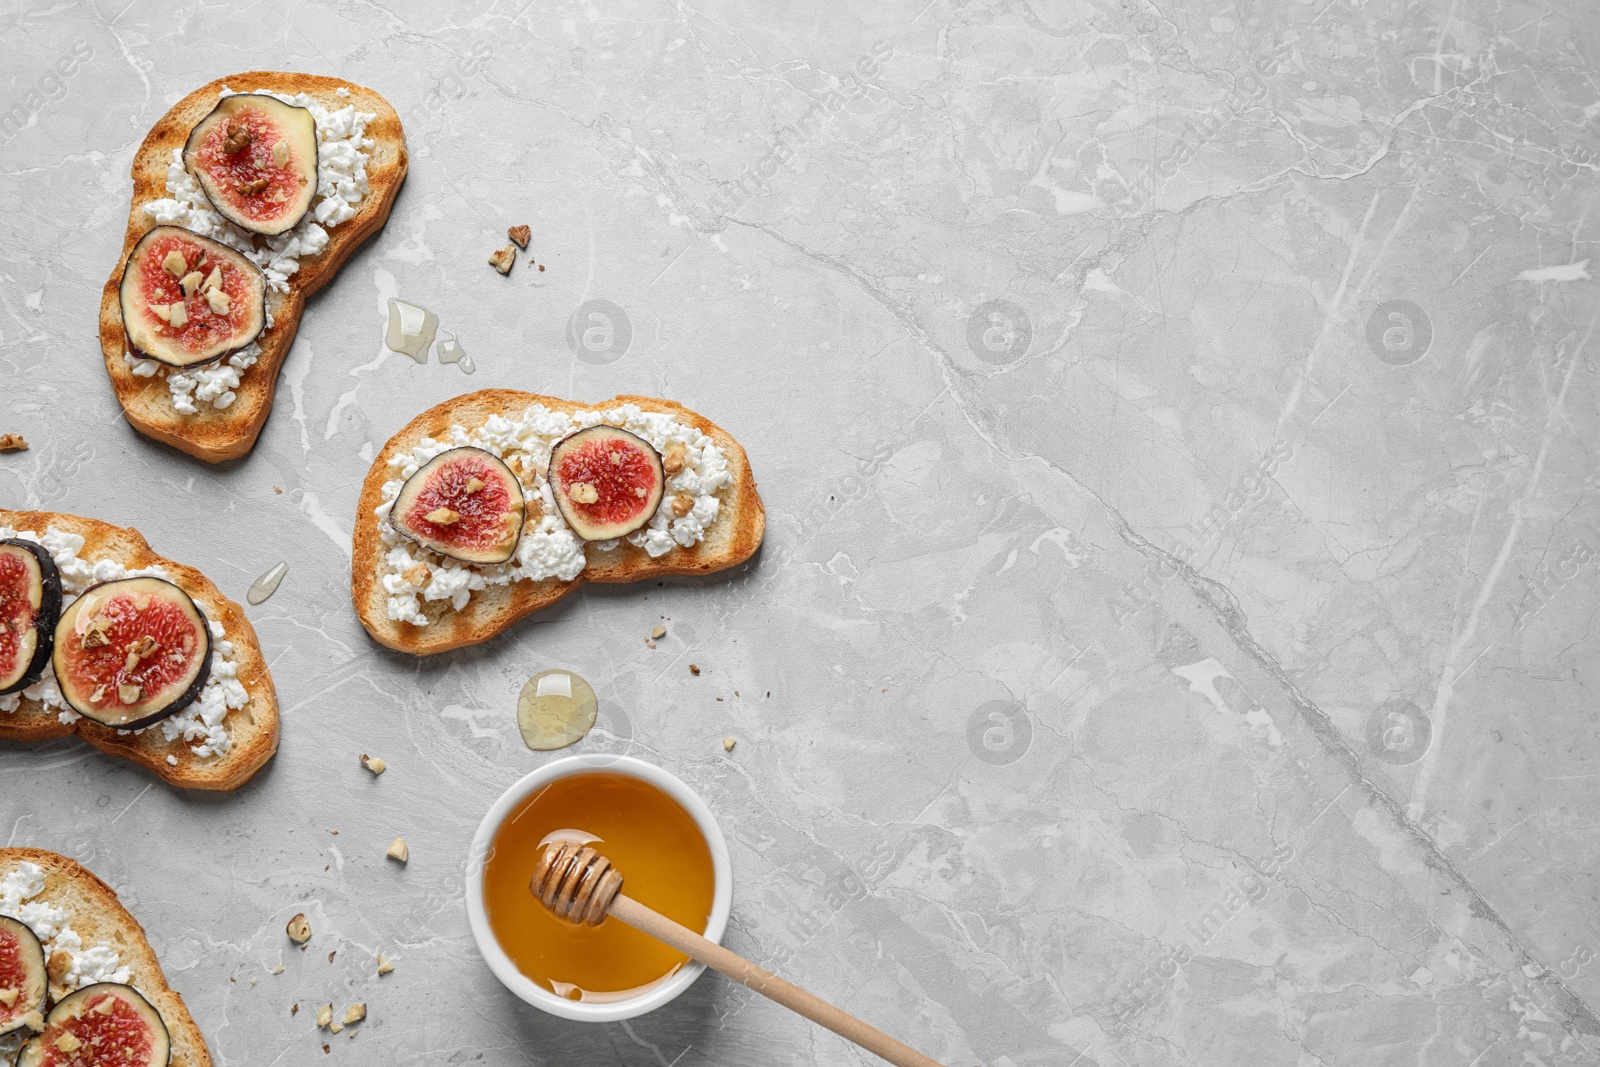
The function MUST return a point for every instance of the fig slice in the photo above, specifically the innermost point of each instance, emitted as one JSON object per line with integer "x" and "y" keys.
{"x": 30, "y": 604}
{"x": 255, "y": 158}
{"x": 465, "y": 504}
{"x": 607, "y": 482}
{"x": 101, "y": 1025}
{"x": 131, "y": 652}
{"x": 24, "y": 980}
{"x": 188, "y": 300}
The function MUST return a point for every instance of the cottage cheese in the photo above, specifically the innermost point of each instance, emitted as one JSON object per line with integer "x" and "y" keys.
{"x": 20, "y": 890}
{"x": 549, "y": 548}
{"x": 200, "y": 725}
{"x": 342, "y": 149}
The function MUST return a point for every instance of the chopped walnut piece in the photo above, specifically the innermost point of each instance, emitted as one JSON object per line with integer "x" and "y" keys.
{"x": 675, "y": 459}
{"x": 68, "y": 1043}
{"x": 583, "y": 493}
{"x": 220, "y": 302}
{"x": 682, "y": 504}
{"x": 95, "y": 635}
{"x": 658, "y": 633}
{"x": 473, "y": 485}
{"x": 385, "y": 964}
{"x": 520, "y": 234}
{"x": 503, "y": 259}
{"x": 399, "y": 851}
{"x": 280, "y": 154}
{"x": 443, "y": 517}
{"x": 373, "y": 764}
{"x": 191, "y": 282}
{"x": 12, "y": 442}
{"x": 238, "y": 139}
{"x": 325, "y": 1015}
{"x": 355, "y": 1014}
{"x": 251, "y": 188}
{"x": 59, "y": 966}
{"x": 8, "y": 997}
{"x": 213, "y": 279}
{"x": 178, "y": 315}
{"x": 299, "y": 930}
{"x": 728, "y": 743}
{"x": 128, "y": 693}
{"x": 162, "y": 312}
{"x": 694, "y": 669}
{"x": 174, "y": 264}
{"x": 419, "y": 574}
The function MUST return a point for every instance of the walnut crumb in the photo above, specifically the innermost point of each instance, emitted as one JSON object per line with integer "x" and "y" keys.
{"x": 682, "y": 504}
{"x": 676, "y": 458}
{"x": 443, "y": 517}
{"x": 418, "y": 574}
{"x": 355, "y": 1014}
{"x": 728, "y": 743}
{"x": 694, "y": 669}
{"x": 373, "y": 764}
{"x": 299, "y": 930}
{"x": 251, "y": 188}
{"x": 399, "y": 851}
{"x": 659, "y": 632}
{"x": 12, "y": 442}
{"x": 503, "y": 259}
{"x": 520, "y": 234}
{"x": 59, "y": 966}
{"x": 385, "y": 964}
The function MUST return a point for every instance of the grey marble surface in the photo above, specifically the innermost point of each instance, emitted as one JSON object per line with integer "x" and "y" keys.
{"x": 1175, "y": 423}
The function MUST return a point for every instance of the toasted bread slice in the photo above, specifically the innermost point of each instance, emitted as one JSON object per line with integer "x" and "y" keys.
{"x": 95, "y": 913}
{"x": 210, "y": 434}
{"x": 252, "y": 728}
{"x": 731, "y": 539}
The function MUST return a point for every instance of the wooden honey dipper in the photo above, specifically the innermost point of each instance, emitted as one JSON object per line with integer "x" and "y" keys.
{"x": 580, "y": 885}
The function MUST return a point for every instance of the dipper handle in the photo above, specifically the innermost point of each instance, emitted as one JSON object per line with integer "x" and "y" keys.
{"x": 580, "y": 885}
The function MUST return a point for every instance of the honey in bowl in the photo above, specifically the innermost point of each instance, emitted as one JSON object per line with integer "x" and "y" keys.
{"x": 665, "y": 864}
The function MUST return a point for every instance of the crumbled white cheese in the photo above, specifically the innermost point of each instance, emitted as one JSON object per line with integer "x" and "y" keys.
{"x": 342, "y": 149}
{"x": 548, "y": 548}
{"x": 19, "y": 889}
{"x": 201, "y": 723}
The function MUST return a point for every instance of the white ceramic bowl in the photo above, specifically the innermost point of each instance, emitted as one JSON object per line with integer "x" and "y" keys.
{"x": 478, "y": 916}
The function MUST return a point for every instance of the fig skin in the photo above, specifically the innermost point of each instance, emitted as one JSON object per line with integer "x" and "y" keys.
{"x": 78, "y": 700}
{"x": 586, "y": 527}
{"x": 32, "y": 953}
{"x": 76, "y": 1006}
{"x": 437, "y": 469}
{"x": 132, "y": 303}
{"x": 281, "y": 118}
{"x": 44, "y": 620}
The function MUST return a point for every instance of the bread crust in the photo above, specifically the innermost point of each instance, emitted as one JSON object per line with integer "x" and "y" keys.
{"x": 94, "y": 911}
{"x": 253, "y": 728}
{"x": 731, "y": 539}
{"x": 210, "y": 434}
